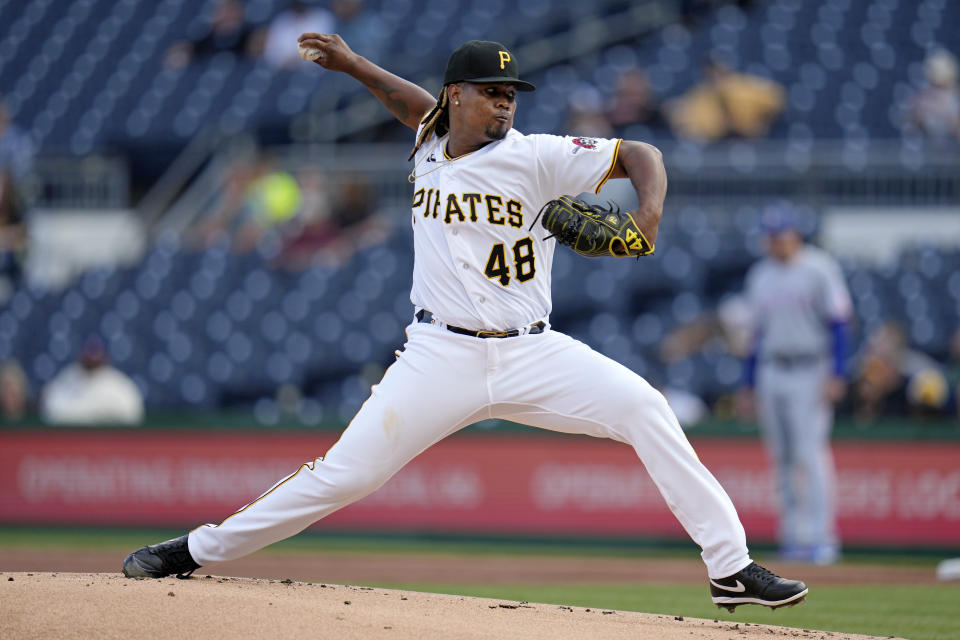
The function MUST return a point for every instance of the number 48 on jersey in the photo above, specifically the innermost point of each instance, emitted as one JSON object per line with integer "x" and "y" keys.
{"x": 524, "y": 262}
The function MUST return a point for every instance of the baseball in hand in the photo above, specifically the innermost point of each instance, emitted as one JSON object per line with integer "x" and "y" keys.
{"x": 309, "y": 53}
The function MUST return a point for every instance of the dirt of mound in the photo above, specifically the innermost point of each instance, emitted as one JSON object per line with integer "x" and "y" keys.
{"x": 95, "y": 606}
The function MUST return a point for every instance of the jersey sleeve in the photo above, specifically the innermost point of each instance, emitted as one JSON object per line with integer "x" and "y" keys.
{"x": 572, "y": 165}
{"x": 836, "y": 303}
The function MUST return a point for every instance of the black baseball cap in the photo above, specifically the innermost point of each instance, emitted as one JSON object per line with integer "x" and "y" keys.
{"x": 484, "y": 61}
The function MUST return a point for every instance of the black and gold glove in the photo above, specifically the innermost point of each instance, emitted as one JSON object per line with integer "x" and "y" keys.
{"x": 593, "y": 230}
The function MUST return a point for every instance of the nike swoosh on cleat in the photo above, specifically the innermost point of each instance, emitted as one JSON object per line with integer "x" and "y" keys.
{"x": 737, "y": 589}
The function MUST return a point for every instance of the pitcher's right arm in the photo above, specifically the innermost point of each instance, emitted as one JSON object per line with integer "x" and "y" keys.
{"x": 405, "y": 100}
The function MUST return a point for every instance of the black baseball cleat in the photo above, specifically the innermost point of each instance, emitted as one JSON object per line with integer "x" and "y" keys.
{"x": 756, "y": 585}
{"x": 161, "y": 560}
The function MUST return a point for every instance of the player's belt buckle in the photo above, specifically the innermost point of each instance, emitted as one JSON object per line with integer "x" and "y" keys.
{"x": 497, "y": 334}
{"x": 537, "y": 327}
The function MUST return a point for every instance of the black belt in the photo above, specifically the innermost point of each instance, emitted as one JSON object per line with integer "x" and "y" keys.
{"x": 787, "y": 360}
{"x": 537, "y": 327}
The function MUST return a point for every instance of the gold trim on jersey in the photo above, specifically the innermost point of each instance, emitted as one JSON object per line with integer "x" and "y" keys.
{"x": 449, "y": 157}
{"x": 613, "y": 164}
{"x": 412, "y": 178}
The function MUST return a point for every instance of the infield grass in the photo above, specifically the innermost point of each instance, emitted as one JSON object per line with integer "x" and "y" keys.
{"x": 917, "y": 612}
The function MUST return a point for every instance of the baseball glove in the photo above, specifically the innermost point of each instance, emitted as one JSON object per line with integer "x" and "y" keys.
{"x": 593, "y": 230}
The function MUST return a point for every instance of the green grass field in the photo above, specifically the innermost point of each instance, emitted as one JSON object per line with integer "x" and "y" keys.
{"x": 914, "y": 611}
{"x": 918, "y": 612}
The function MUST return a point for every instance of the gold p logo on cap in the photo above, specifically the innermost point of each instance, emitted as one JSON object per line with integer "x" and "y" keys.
{"x": 504, "y": 58}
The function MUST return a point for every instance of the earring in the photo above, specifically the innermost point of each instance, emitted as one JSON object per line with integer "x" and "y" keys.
{"x": 457, "y": 103}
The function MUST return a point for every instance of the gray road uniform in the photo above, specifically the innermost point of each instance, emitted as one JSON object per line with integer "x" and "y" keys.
{"x": 799, "y": 310}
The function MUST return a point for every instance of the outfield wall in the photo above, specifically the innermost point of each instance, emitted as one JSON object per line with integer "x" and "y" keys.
{"x": 890, "y": 493}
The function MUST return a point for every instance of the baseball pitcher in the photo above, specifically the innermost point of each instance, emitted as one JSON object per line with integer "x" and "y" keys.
{"x": 489, "y": 207}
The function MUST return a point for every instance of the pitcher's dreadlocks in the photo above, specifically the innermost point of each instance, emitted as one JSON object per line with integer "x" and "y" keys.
{"x": 437, "y": 121}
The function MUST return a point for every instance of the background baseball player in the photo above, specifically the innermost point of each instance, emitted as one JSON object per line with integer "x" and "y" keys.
{"x": 480, "y": 345}
{"x": 800, "y": 307}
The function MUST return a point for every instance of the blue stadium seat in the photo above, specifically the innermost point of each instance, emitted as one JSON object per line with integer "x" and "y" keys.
{"x": 201, "y": 327}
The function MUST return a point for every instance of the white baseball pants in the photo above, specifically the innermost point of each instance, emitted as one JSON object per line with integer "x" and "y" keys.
{"x": 443, "y": 382}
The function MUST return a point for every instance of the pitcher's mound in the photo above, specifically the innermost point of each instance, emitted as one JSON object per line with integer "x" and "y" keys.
{"x": 96, "y": 605}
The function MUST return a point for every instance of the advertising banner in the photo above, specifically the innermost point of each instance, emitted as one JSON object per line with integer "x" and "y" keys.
{"x": 889, "y": 493}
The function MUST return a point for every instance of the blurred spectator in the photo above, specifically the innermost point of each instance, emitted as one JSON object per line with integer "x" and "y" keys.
{"x": 13, "y": 235}
{"x": 357, "y": 24}
{"x": 692, "y": 12}
{"x": 14, "y": 391}
{"x": 928, "y": 393}
{"x": 952, "y": 370}
{"x": 335, "y": 220}
{"x": 273, "y": 200}
{"x": 355, "y": 211}
{"x": 893, "y": 379}
{"x": 935, "y": 109}
{"x": 256, "y": 198}
{"x": 16, "y": 149}
{"x": 311, "y": 221}
{"x": 586, "y": 116}
{"x": 728, "y": 325}
{"x": 16, "y": 163}
{"x": 633, "y": 101}
{"x": 726, "y": 104}
{"x": 280, "y": 40}
{"x": 948, "y": 569}
{"x": 725, "y": 329}
{"x": 227, "y": 31}
{"x": 794, "y": 376}
{"x": 217, "y": 223}
{"x": 689, "y": 408}
{"x": 91, "y": 392}
{"x": 316, "y": 237}
{"x": 356, "y": 200}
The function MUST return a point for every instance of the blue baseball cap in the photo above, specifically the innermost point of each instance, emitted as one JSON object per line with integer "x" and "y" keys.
{"x": 779, "y": 218}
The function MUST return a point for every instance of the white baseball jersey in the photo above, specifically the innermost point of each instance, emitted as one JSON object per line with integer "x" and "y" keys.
{"x": 478, "y": 263}
{"x": 794, "y": 303}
